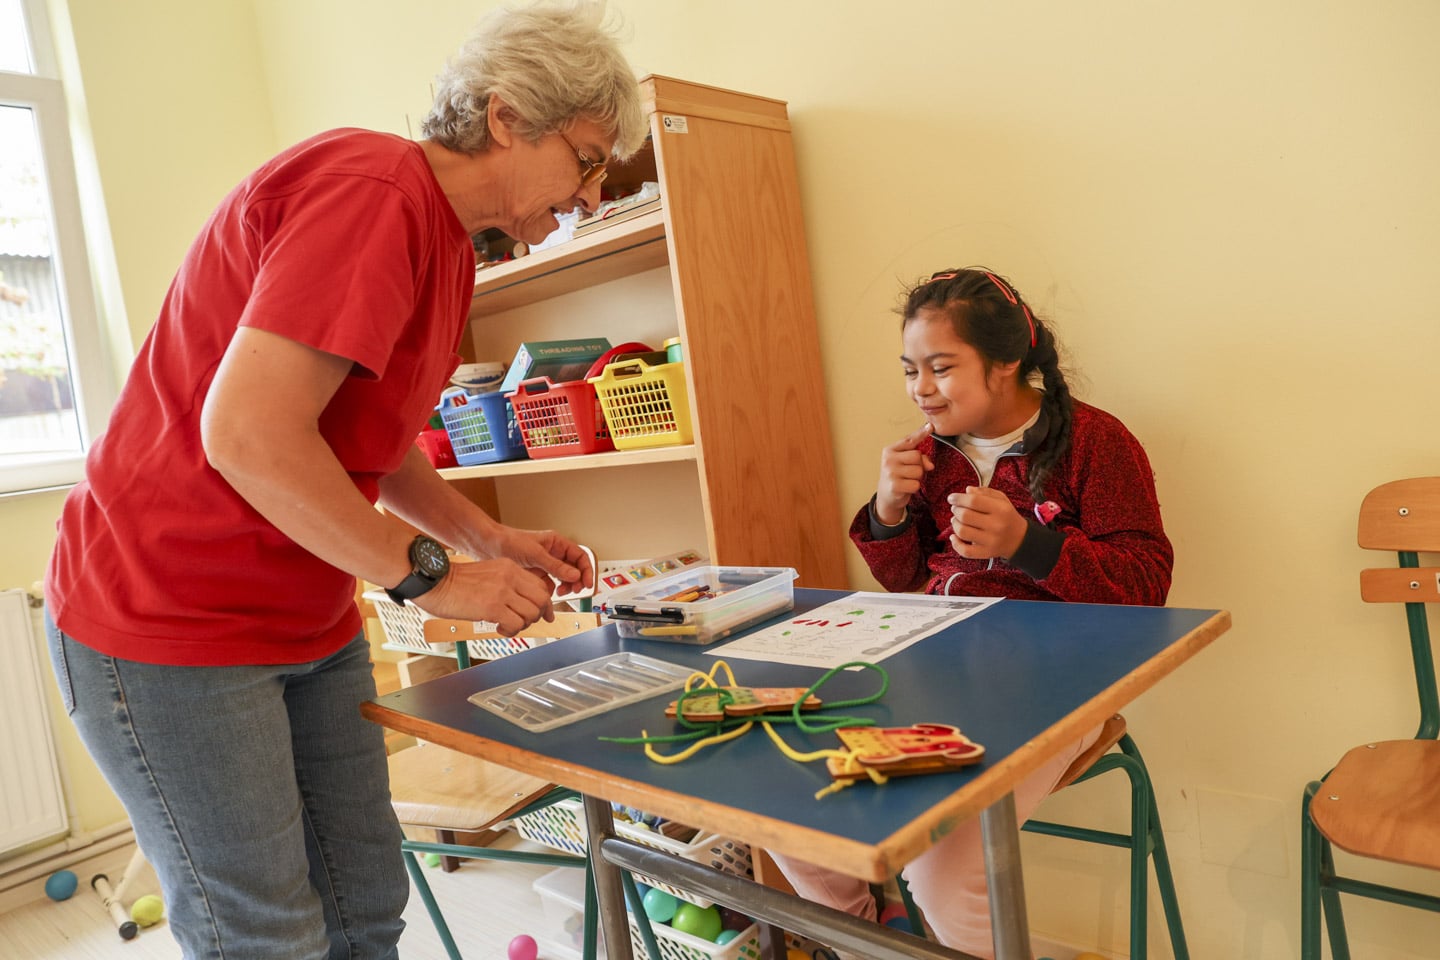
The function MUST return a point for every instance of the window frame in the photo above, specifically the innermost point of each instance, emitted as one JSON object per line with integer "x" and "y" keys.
{"x": 91, "y": 344}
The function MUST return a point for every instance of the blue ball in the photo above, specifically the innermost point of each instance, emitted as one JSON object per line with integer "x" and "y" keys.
{"x": 61, "y": 885}
{"x": 726, "y": 936}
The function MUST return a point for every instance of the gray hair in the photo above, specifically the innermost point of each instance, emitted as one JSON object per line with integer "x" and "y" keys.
{"x": 554, "y": 61}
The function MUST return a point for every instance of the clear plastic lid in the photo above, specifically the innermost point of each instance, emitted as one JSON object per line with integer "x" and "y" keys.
{"x": 581, "y": 690}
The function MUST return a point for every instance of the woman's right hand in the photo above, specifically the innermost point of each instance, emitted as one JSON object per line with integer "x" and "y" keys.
{"x": 902, "y": 470}
{"x": 501, "y": 591}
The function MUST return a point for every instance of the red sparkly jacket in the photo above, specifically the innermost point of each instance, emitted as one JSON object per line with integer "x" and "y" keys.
{"x": 1106, "y": 545}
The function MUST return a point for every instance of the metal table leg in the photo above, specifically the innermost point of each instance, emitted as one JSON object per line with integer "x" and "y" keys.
{"x": 599, "y": 827}
{"x": 1000, "y": 837}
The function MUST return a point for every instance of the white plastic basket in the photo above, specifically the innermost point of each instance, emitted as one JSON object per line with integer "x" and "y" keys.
{"x": 678, "y": 945}
{"x": 404, "y": 626}
{"x": 562, "y": 826}
{"x": 562, "y": 896}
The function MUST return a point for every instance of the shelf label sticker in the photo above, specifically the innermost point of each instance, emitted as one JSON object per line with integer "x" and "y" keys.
{"x": 674, "y": 124}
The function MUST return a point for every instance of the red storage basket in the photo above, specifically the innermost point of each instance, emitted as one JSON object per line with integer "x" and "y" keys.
{"x": 559, "y": 419}
{"x": 435, "y": 444}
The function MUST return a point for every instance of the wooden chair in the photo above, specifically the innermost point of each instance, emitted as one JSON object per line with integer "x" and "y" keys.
{"x": 1144, "y": 841}
{"x": 1381, "y": 800}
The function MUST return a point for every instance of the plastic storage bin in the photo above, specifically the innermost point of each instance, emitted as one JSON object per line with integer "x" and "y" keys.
{"x": 404, "y": 626}
{"x": 645, "y": 406}
{"x": 559, "y": 419}
{"x": 725, "y": 600}
{"x": 562, "y": 826}
{"x": 562, "y": 898}
{"x": 481, "y": 426}
{"x": 435, "y": 444}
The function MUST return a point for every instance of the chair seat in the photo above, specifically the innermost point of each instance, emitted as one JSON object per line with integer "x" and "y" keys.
{"x": 1381, "y": 801}
{"x": 1110, "y": 735}
{"x": 442, "y": 789}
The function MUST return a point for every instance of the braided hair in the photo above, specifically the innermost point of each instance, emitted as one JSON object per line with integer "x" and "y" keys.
{"x": 988, "y": 314}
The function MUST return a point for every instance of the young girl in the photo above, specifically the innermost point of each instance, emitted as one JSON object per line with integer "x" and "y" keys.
{"x": 1010, "y": 489}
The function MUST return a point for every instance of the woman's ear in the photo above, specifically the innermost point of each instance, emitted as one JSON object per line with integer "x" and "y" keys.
{"x": 499, "y": 115}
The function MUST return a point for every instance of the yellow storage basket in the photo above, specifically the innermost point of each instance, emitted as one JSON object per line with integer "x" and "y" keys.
{"x": 645, "y": 406}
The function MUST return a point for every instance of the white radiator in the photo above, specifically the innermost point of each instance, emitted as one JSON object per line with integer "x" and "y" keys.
{"x": 32, "y": 807}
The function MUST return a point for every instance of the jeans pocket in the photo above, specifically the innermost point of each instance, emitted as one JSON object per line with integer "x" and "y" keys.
{"x": 60, "y": 661}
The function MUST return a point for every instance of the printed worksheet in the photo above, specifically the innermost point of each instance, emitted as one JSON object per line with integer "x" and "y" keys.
{"x": 858, "y": 626}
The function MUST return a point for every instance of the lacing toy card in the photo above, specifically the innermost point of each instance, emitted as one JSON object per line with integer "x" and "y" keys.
{"x": 743, "y": 702}
{"x": 902, "y": 751}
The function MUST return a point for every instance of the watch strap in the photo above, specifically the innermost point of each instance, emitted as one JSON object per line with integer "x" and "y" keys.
{"x": 410, "y": 588}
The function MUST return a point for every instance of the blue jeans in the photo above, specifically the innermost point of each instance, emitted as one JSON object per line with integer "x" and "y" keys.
{"x": 258, "y": 793}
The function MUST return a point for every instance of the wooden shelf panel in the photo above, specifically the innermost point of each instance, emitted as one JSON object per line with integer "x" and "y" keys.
{"x": 589, "y": 461}
{"x": 626, "y": 248}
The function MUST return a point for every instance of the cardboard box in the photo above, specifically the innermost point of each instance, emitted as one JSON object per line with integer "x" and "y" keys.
{"x": 560, "y": 360}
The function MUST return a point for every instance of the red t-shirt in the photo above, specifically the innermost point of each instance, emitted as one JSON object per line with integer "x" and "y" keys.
{"x": 344, "y": 243}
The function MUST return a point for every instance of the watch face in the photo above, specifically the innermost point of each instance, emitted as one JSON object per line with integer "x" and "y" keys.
{"x": 429, "y": 558}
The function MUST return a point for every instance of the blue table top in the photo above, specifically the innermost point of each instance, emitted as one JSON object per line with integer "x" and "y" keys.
{"x": 1022, "y": 678}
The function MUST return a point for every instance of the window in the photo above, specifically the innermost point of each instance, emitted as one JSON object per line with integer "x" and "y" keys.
{"x": 56, "y": 381}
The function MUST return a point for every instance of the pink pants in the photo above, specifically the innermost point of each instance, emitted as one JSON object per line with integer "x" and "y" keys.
{"x": 948, "y": 880}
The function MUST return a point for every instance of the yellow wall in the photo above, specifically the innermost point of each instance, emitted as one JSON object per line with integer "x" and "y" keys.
{"x": 1227, "y": 211}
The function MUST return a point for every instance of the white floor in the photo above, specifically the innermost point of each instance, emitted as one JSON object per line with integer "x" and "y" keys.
{"x": 486, "y": 905}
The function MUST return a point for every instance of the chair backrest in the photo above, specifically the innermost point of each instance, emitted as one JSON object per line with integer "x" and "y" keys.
{"x": 1404, "y": 517}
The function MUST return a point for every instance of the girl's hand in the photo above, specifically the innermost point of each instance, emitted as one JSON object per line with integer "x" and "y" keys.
{"x": 902, "y": 470}
{"x": 984, "y": 524}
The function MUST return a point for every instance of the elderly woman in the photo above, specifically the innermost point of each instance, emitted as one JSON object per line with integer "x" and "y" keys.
{"x": 204, "y": 632}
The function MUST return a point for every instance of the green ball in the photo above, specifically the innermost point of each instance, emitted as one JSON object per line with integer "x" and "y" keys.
{"x": 702, "y": 922}
{"x": 432, "y": 859}
{"x": 148, "y": 910}
{"x": 659, "y": 905}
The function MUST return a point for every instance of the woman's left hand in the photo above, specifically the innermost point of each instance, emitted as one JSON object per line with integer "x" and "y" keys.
{"x": 984, "y": 524}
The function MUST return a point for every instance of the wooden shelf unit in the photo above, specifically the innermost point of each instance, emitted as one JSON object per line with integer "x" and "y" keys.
{"x": 731, "y": 239}
{"x": 619, "y": 251}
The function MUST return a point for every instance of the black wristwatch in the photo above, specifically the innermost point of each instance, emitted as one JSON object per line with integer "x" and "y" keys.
{"x": 428, "y": 563}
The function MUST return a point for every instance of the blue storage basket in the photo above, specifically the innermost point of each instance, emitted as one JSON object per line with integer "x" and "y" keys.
{"x": 481, "y": 427}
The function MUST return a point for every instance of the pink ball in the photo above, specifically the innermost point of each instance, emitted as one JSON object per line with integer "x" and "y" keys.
{"x": 523, "y": 947}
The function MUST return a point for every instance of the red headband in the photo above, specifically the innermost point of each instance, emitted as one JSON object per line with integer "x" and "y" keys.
{"x": 1005, "y": 289}
{"x": 1014, "y": 298}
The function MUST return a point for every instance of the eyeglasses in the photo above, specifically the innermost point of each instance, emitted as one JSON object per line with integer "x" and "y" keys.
{"x": 594, "y": 171}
